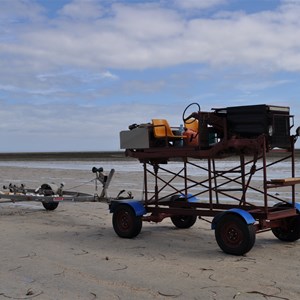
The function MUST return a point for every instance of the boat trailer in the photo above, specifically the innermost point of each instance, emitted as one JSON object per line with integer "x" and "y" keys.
{"x": 50, "y": 194}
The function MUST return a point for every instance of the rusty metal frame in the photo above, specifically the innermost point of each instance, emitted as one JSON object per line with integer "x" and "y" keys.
{"x": 266, "y": 215}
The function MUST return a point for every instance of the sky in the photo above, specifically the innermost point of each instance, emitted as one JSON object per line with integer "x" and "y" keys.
{"x": 74, "y": 73}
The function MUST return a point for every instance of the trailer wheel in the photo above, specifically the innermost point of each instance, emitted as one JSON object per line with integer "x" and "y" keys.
{"x": 290, "y": 231}
{"x": 50, "y": 205}
{"x": 125, "y": 222}
{"x": 234, "y": 235}
{"x": 184, "y": 222}
{"x": 48, "y": 189}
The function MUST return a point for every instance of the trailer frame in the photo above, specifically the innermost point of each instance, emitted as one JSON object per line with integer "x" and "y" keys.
{"x": 50, "y": 195}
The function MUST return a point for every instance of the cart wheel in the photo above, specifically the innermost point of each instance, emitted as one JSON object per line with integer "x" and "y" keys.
{"x": 290, "y": 232}
{"x": 184, "y": 222}
{"x": 50, "y": 205}
{"x": 125, "y": 222}
{"x": 234, "y": 235}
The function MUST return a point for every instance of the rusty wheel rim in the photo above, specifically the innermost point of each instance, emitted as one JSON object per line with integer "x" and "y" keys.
{"x": 124, "y": 221}
{"x": 231, "y": 234}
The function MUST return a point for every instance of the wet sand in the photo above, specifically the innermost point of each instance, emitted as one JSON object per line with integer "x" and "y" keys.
{"x": 74, "y": 253}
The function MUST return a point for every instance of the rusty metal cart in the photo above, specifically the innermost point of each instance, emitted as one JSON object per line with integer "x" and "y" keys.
{"x": 240, "y": 201}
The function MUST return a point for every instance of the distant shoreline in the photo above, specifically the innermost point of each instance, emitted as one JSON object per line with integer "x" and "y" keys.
{"x": 88, "y": 155}
{"x": 82, "y": 155}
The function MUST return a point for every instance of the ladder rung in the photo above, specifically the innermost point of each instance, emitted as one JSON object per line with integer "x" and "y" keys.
{"x": 285, "y": 181}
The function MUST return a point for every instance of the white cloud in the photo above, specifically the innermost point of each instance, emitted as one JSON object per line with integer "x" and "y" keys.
{"x": 198, "y": 4}
{"x": 134, "y": 86}
{"x": 146, "y": 23}
{"x": 14, "y": 11}
{"x": 260, "y": 85}
{"x": 139, "y": 37}
{"x": 109, "y": 75}
{"x": 78, "y": 9}
{"x": 69, "y": 127}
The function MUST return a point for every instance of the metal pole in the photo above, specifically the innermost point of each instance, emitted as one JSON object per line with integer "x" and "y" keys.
{"x": 145, "y": 184}
{"x": 185, "y": 178}
{"x": 242, "y": 162}
{"x": 215, "y": 181}
{"x": 293, "y": 170}
{"x": 265, "y": 176}
{"x": 210, "y": 184}
{"x": 155, "y": 168}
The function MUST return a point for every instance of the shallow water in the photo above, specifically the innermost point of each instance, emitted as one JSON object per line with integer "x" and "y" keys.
{"x": 74, "y": 165}
{"x": 281, "y": 169}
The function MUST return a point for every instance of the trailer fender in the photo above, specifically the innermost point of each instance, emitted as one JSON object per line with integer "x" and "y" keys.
{"x": 192, "y": 198}
{"x": 137, "y": 206}
{"x": 248, "y": 218}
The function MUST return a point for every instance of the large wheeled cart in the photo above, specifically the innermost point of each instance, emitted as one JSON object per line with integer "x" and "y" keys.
{"x": 223, "y": 166}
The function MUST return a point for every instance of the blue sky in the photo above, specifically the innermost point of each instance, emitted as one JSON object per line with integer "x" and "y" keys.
{"x": 74, "y": 73}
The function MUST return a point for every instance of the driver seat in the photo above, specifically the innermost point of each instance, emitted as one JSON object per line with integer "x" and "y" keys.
{"x": 162, "y": 129}
{"x": 192, "y": 124}
{"x": 192, "y": 132}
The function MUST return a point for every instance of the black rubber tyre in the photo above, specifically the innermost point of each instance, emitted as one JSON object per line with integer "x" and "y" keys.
{"x": 50, "y": 205}
{"x": 290, "y": 232}
{"x": 234, "y": 236}
{"x": 125, "y": 222}
{"x": 48, "y": 190}
{"x": 184, "y": 222}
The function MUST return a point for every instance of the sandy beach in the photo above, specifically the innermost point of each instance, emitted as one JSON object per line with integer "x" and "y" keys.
{"x": 74, "y": 253}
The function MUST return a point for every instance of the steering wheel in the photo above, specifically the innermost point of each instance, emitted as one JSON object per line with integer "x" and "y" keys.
{"x": 184, "y": 118}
